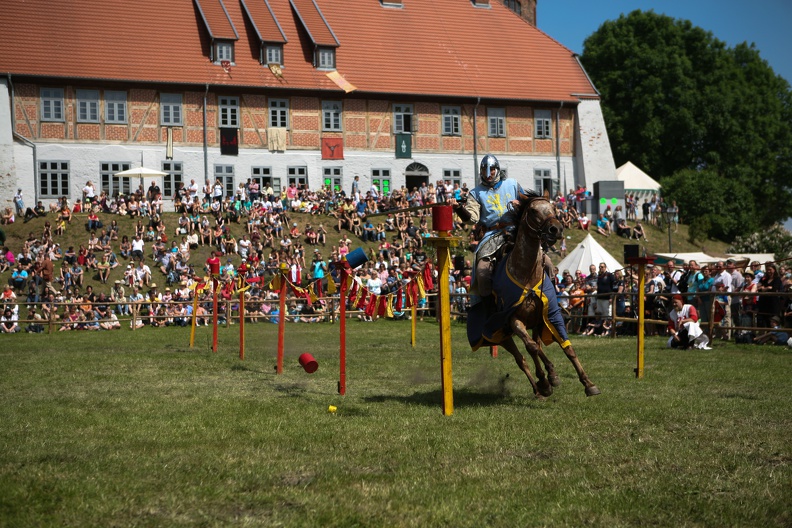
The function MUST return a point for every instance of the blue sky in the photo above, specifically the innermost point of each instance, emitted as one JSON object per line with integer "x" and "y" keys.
{"x": 763, "y": 22}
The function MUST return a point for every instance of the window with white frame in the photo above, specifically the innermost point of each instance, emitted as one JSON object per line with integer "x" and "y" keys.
{"x": 174, "y": 175}
{"x": 544, "y": 122}
{"x": 229, "y": 111}
{"x": 381, "y": 178}
{"x": 171, "y": 109}
{"x": 224, "y": 51}
{"x": 262, "y": 176}
{"x": 544, "y": 182}
{"x": 402, "y": 118}
{"x": 273, "y": 53}
{"x": 451, "y": 120}
{"x": 115, "y": 107}
{"x": 112, "y": 184}
{"x": 279, "y": 113}
{"x": 332, "y": 178}
{"x": 452, "y": 175}
{"x": 297, "y": 175}
{"x": 331, "y": 115}
{"x": 496, "y": 122}
{"x": 52, "y": 104}
{"x": 53, "y": 179}
{"x": 325, "y": 58}
{"x": 87, "y": 106}
{"x": 225, "y": 173}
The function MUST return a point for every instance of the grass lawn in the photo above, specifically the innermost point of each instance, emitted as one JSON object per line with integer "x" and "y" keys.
{"x": 137, "y": 429}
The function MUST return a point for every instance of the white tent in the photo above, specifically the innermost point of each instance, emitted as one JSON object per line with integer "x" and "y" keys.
{"x": 586, "y": 253}
{"x": 747, "y": 258}
{"x": 682, "y": 258}
{"x": 636, "y": 180}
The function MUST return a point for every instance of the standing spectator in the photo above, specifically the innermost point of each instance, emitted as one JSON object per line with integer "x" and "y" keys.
{"x": 767, "y": 306}
{"x": 19, "y": 203}
{"x": 606, "y": 285}
{"x": 738, "y": 282}
{"x": 723, "y": 286}
{"x": 89, "y": 192}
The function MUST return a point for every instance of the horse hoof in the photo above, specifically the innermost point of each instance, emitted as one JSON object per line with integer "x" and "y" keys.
{"x": 555, "y": 381}
{"x": 592, "y": 391}
{"x": 545, "y": 388}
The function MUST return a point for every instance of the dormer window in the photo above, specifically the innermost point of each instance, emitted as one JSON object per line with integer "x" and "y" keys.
{"x": 273, "y": 54}
{"x": 224, "y": 51}
{"x": 325, "y": 58}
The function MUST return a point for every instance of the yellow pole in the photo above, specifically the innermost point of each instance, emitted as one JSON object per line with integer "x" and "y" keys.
{"x": 443, "y": 262}
{"x": 639, "y": 371}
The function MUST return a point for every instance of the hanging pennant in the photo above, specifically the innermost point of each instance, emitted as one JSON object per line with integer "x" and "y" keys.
{"x": 399, "y": 295}
{"x": 421, "y": 288}
{"x": 382, "y": 305}
{"x": 371, "y": 306}
{"x": 360, "y": 302}
{"x": 331, "y": 286}
{"x": 427, "y": 276}
{"x": 389, "y": 306}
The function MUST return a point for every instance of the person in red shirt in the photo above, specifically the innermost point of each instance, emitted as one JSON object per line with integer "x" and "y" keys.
{"x": 213, "y": 264}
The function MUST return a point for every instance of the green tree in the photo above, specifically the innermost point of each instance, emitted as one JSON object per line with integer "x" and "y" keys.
{"x": 686, "y": 108}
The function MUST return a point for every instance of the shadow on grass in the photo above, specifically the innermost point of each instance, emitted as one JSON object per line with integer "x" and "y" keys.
{"x": 462, "y": 398}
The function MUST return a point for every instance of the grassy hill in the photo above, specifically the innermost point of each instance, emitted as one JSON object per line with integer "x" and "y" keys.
{"x": 76, "y": 234}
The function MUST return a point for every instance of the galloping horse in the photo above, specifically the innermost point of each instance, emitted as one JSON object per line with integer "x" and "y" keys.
{"x": 523, "y": 273}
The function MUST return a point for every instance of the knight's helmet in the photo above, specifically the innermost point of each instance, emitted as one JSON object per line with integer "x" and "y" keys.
{"x": 486, "y": 176}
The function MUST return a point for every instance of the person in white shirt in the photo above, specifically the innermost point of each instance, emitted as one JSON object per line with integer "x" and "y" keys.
{"x": 89, "y": 192}
{"x": 723, "y": 285}
{"x": 684, "y": 327}
{"x": 138, "y": 245}
{"x": 193, "y": 190}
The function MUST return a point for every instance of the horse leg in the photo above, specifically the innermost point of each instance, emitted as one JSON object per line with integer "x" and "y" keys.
{"x": 509, "y": 345}
{"x": 552, "y": 375}
{"x": 591, "y": 389}
{"x": 545, "y": 389}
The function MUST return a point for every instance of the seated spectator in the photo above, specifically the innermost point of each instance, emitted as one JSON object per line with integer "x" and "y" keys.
{"x": 7, "y": 217}
{"x": 638, "y": 232}
{"x": 36, "y": 212}
{"x": 622, "y": 229}
{"x": 584, "y": 222}
{"x": 603, "y": 226}
{"x": 8, "y": 322}
{"x": 774, "y": 336}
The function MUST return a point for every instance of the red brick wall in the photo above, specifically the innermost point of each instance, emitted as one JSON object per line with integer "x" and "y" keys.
{"x": 367, "y": 124}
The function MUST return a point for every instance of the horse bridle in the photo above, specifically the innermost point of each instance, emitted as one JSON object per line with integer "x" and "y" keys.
{"x": 542, "y": 232}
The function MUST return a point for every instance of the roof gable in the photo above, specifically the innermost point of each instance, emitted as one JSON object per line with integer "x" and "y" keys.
{"x": 267, "y": 27}
{"x": 215, "y": 16}
{"x": 314, "y": 22}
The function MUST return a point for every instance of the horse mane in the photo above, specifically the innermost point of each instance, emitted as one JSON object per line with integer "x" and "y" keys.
{"x": 525, "y": 198}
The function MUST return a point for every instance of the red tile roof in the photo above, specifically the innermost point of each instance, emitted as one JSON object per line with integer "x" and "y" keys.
{"x": 216, "y": 18}
{"x": 448, "y": 48}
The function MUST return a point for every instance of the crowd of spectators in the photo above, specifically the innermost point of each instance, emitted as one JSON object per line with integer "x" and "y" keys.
{"x": 267, "y": 238}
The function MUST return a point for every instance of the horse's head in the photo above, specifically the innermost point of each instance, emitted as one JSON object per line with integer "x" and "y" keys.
{"x": 538, "y": 215}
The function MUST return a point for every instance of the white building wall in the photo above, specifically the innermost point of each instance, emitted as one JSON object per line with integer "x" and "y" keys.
{"x": 8, "y": 173}
{"x": 594, "y": 156}
{"x": 85, "y": 159}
